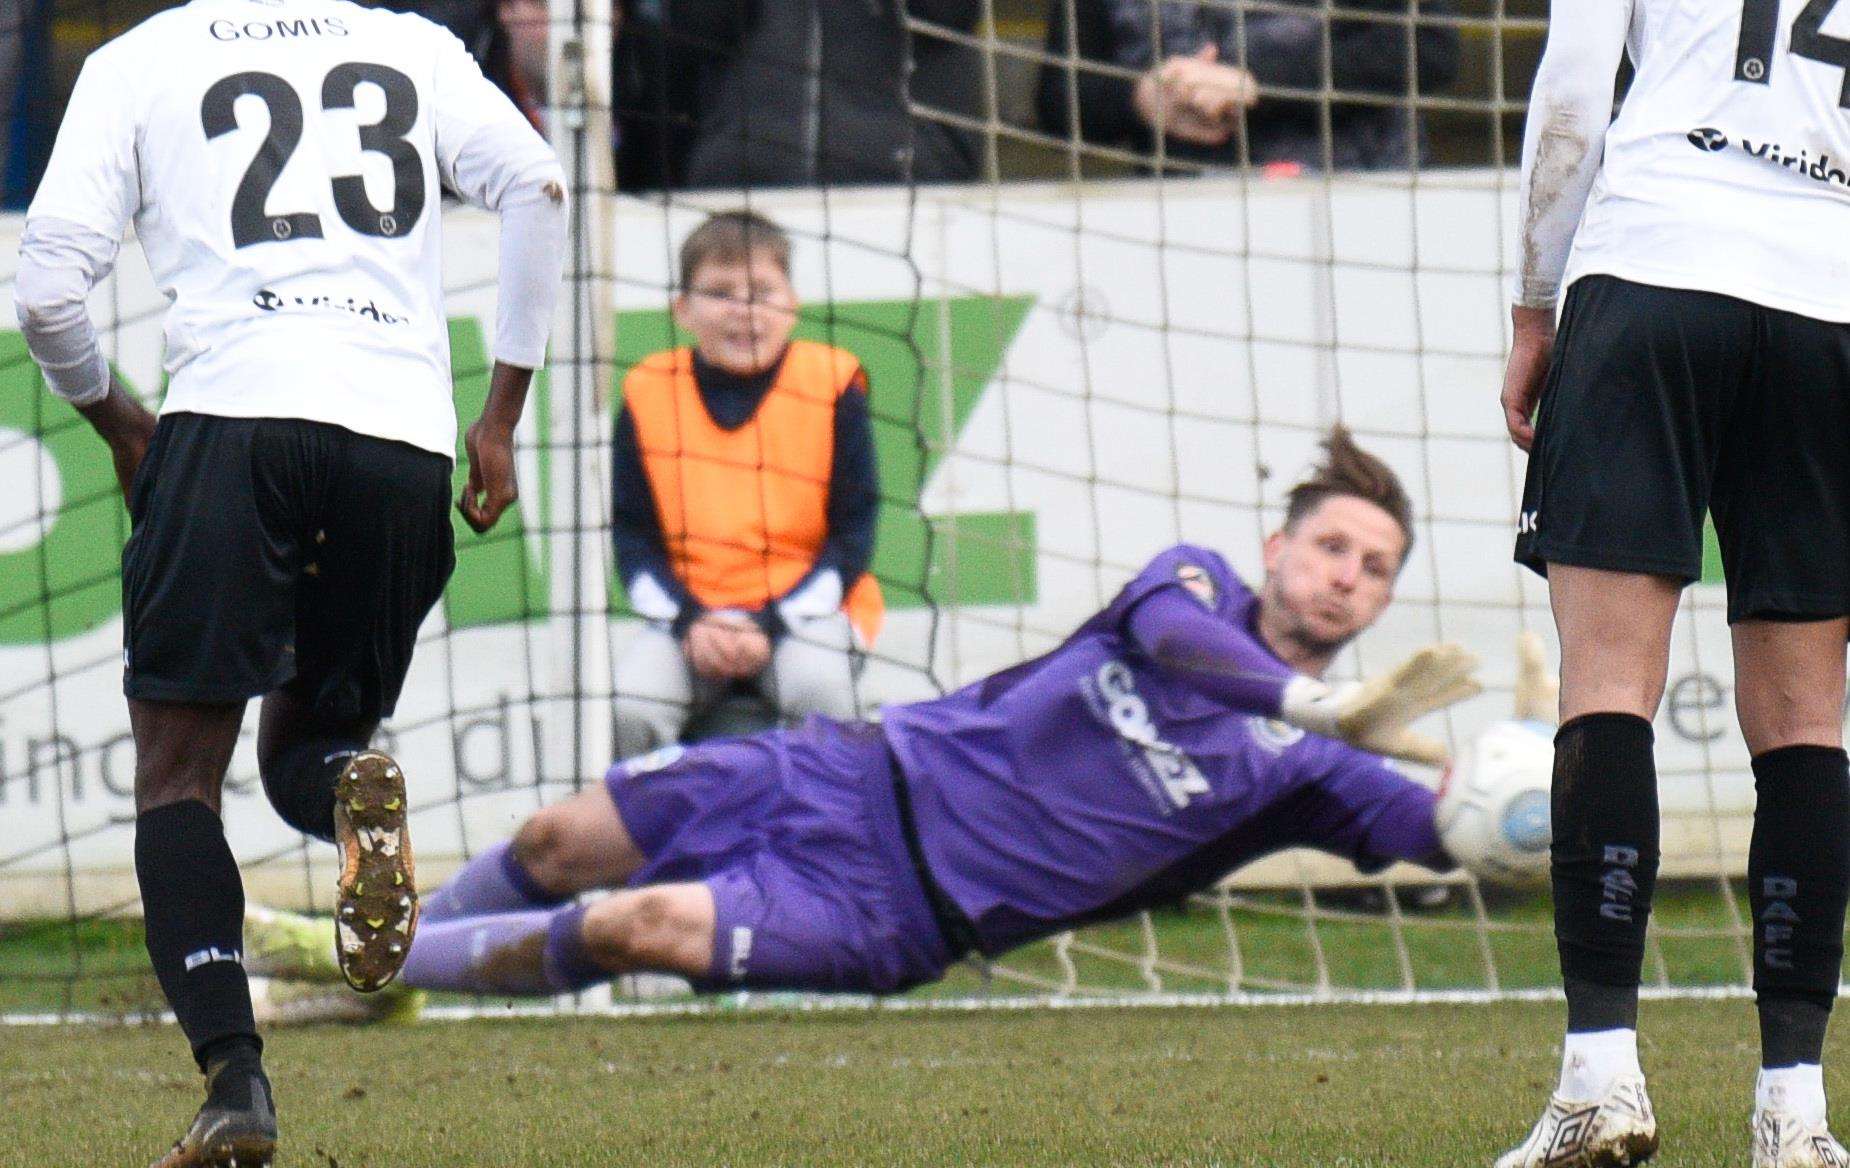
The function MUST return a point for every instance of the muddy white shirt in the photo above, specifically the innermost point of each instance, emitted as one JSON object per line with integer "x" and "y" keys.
{"x": 283, "y": 163}
{"x": 1726, "y": 170}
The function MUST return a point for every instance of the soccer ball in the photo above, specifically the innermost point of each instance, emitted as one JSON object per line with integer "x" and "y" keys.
{"x": 1493, "y": 807}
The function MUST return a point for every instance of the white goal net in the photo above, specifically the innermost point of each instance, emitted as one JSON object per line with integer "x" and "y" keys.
{"x": 1092, "y": 345}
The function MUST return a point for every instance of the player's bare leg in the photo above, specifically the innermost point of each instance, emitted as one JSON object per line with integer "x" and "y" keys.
{"x": 1615, "y": 645}
{"x": 512, "y": 890}
{"x": 1789, "y": 682}
{"x": 1615, "y": 639}
{"x": 505, "y": 898}
{"x": 578, "y": 845}
{"x": 667, "y": 928}
{"x": 1789, "y": 679}
{"x": 193, "y": 902}
{"x": 182, "y": 750}
{"x": 664, "y": 928}
{"x": 505, "y": 923}
{"x": 562, "y": 850}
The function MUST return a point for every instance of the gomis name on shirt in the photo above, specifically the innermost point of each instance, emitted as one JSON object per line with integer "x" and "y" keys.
{"x": 263, "y": 30}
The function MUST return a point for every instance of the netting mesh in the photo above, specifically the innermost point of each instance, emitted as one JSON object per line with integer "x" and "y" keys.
{"x": 1085, "y": 341}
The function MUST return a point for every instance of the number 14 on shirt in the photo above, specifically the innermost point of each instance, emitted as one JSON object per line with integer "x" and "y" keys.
{"x": 1753, "y": 55}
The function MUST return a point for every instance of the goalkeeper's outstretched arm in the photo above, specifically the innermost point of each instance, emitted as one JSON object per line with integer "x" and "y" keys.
{"x": 1231, "y": 666}
{"x": 1217, "y": 657}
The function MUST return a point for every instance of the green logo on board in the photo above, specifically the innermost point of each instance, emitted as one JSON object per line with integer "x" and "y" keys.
{"x": 929, "y": 363}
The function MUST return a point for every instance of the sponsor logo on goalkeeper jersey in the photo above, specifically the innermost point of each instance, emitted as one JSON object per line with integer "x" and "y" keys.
{"x": 1168, "y": 775}
{"x": 1821, "y": 169}
{"x": 1273, "y": 735}
{"x": 1199, "y": 584}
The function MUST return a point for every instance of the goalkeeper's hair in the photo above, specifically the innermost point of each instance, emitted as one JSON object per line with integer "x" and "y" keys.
{"x": 1349, "y": 470}
{"x": 733, "y": 237}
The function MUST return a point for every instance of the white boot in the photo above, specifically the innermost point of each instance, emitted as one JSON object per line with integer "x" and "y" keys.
{"x": 1613, "y": 1131}
{"x": 1790, "y": 1130}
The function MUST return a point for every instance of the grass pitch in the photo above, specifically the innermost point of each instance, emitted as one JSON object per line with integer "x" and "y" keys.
{"x": 1698, "y": 939}
{"x": 1342, "y": 1087}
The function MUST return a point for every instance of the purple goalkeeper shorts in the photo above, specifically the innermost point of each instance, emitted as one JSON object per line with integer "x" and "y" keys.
{"x": 797, "y": 834}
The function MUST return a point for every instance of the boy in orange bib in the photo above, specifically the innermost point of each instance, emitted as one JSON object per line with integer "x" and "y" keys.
{"x": 745, "y": 495}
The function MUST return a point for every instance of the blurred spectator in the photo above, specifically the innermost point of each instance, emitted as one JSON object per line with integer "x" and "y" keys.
{"x": 658, "y": 96}
{"x": 1202, "y": 66}
{"x": 804, "y": 92}
{"x": 509, "y": 38}
{"x": 12, "y": 107}
{"x": 518, "y": 54}
{"x": 473, "y": 21}
{"x": 25, "y": 113}
{"x": 745, "y": 495}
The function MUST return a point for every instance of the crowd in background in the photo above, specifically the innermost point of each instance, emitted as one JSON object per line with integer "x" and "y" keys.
{"x": 768, "y": 93}
{"x": 1193, "y": 73}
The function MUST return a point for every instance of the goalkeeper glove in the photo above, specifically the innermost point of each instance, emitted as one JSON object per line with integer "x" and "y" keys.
{"x": 1374, "y": 715}
{"x": 1538, "y": 692}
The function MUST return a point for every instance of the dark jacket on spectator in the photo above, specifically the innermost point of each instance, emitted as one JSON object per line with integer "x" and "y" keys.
{"x": 657, "y": 92}
{"x": 1280, "y": 49}
{"x": 30, "y": 105}
{"x": 473, "y": 21}
{"x": 799, "y": 92}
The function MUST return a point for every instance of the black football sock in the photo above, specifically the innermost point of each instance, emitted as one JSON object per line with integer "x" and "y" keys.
{"x": 299, "y": 781}
{"x": 1604, "y": 864}
{"x": 1798, "y": 878}
{"x": 234, "y": 1075}
{"x": 193, "y": 901}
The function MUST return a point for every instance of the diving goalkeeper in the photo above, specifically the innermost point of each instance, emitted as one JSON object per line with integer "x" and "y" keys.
{"x": 1179, "y": 733}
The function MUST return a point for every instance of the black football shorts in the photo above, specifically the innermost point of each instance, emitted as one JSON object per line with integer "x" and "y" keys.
{"x": 1662, "y": 404}
{"x": 276, "y": 552}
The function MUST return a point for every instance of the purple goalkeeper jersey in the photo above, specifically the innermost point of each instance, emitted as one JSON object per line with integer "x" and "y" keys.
{"x": 1092, "y": 781}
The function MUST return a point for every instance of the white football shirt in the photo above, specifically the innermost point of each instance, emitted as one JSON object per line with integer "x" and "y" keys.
{"x": 283, "y": 162}
{"x": 1728, "y": 167}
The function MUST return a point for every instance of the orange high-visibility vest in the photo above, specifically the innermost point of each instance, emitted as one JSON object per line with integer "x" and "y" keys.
{"x": 745, "y": 512}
